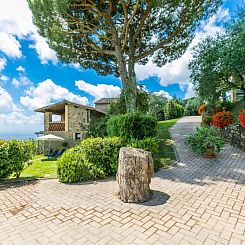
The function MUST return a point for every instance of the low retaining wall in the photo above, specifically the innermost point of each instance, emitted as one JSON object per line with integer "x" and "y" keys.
{"x": 235, "y": 135}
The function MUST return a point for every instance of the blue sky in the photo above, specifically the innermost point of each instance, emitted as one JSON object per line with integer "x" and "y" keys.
{"x": 31, "y": 75}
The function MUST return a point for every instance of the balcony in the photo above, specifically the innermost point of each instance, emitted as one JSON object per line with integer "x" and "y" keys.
{"x": 57, "y": 126}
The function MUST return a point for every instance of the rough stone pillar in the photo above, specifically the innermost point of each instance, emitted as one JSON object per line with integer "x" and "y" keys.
{"x": 135, "y": 169}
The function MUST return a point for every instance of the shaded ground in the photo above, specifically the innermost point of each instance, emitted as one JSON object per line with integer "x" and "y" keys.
{"x": 198, "y": 201}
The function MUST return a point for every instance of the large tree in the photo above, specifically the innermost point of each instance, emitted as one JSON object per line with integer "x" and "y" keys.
{"x": 111, "y": 36}
{"x": 218, "y": 62}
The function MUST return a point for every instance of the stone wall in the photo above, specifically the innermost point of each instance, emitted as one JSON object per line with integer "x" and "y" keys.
{"x": 235, "y": 135}
{"x": 102, "y": 107}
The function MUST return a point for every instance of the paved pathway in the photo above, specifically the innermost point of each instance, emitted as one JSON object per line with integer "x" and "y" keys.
{"x": 198, "y": 201}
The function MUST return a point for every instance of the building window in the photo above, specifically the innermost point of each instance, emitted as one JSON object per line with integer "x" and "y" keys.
{"x": 77, "y": 136}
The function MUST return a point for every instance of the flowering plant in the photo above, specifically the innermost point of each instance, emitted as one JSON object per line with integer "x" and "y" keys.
{"x": 222, "y": 119}
{"x": 242, "y": 117}
{"x": 201, "y": 109}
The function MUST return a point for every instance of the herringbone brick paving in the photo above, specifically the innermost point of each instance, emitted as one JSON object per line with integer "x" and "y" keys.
{"x": 199, "y": 201}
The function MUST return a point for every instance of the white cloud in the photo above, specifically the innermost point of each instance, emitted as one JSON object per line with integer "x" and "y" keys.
{"x": 4, "y": 78}
{"x": 48, "y": 92}
{"x": 20, "y": 68}
{"x": 22, "y": 81}
{"x": 18, "y": 118}
{"x": 3, "y": 63}
{"x": 6, "y": 101}
{"x": 189, "y": 91}
{"x": 16, "y": 23}
{"x": 16, "y": 83}
{"x": 9, "y": 45}
{"x": 177, "y": 71}
{"x": 99, "y": 91}
{"x": 44, "y": 52}
{"x": 163, "y": 94}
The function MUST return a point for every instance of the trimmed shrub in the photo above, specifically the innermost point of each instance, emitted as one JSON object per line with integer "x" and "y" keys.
{"x": 134, "y": 125}
{"x": 72, "y": 167}
{"x": 13, "y": 156}
{"x": 148, "y": 144}
{"x": 102, "y": 153}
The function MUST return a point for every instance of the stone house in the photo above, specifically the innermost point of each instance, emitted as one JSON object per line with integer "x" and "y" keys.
{"x": 104, "y": 103}
{"x": 68, "y": 120}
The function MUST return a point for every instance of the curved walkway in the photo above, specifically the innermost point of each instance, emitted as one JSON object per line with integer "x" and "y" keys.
{"x": 199, "y": 201}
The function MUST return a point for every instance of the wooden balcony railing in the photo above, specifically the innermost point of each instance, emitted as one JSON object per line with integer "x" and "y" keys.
{"x": 56, "y": 126}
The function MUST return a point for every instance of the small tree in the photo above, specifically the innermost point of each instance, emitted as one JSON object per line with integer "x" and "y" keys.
{"x": 112, "y": 36}
{"x": 170, "y": 110}
{"x": 218, "y": 62}
{"x": 156, "y": 105}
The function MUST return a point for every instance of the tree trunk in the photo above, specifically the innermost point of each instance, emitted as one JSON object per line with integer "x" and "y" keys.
{"x": 128, "y": 78}
{"x": 134, "y": 173}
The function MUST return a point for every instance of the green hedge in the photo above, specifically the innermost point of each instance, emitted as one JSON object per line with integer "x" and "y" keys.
{"x": 148, "y": 144}
{"x": 72, "y": 167}
{"x": 134, "y": 125}
{"x": 102, "y": 153}
{"x": 13, "y": 156}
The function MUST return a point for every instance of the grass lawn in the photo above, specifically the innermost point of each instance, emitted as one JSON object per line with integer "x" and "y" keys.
{"x": 41, "y": 167}
{"x": 167, "y": 154}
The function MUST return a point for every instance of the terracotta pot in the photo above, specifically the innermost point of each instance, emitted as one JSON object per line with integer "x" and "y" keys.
{"x": 209, "y": 153}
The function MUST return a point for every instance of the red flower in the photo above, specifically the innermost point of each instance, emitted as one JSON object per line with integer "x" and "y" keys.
{"x": 242, "y": 117}
{"x": 222, "y": 119}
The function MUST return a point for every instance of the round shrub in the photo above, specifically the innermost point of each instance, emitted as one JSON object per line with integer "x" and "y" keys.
{"x": 102, "y": 153}
{"x": 133, "y": 125}
{"x": 72, "y": 167}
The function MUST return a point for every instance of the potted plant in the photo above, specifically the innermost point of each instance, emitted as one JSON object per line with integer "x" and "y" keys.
{"x": 205, "y": 141}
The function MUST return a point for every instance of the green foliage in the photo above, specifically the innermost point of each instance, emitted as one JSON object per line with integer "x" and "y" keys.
{"x": 191, "y": 107}
{"x": 2, "y": 142}
{"x": 180, "y": 110}
{"x": 119, "y": 107}
{"x": 148, "y": 144}
{"x": 134, "y": 125}
{"x": 204, "y": 138}
{"x": 102, "y": 153}
{"x": 170, "y": 110}
{"x": 156, "y": 105}
{"x": 236, "y": 108}
{"x": 98, "y": 128}
{"x": 72, "y": 167}
{"x": 207, "y": 121}
{"x": 13, "y": 156}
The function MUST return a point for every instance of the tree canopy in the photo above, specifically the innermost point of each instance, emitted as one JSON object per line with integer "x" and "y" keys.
{"x": 111, "y": 36}
{"x": 218, "y": 62}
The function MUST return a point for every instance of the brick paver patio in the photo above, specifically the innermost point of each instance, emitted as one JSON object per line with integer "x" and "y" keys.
{"x": 199, "y": 201}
